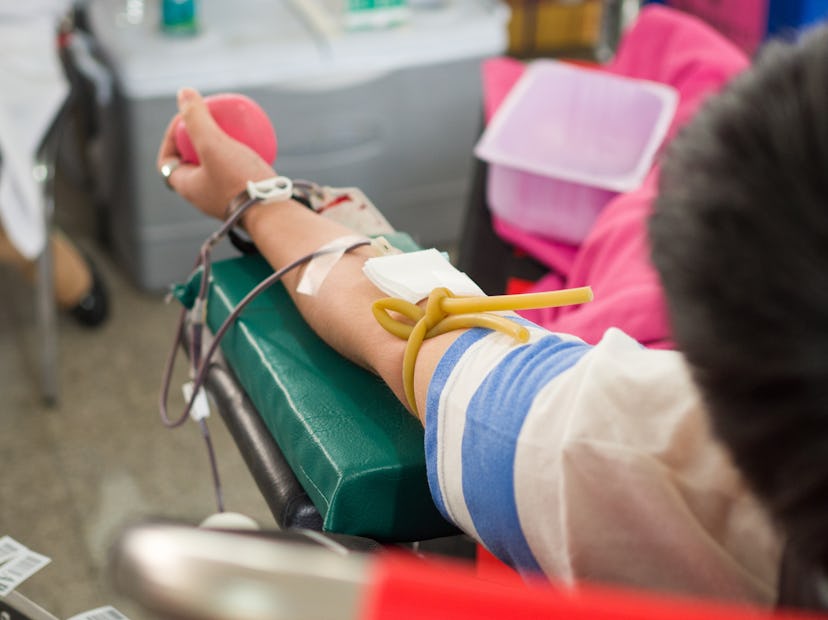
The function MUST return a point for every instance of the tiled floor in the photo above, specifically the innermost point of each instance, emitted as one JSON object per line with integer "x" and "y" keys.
{"x": 73, "y": 474}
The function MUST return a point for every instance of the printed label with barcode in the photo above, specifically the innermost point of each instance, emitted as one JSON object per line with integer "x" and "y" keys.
{"x": 101, "y": 613}
{"x": 16, "y": 571}
{"x": 9, "y": 548}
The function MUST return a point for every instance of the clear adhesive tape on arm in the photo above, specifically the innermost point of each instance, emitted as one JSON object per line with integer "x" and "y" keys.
{"x": 323, "y": 261}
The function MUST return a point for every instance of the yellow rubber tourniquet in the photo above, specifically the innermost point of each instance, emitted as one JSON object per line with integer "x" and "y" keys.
{"x": 444, "y": 313}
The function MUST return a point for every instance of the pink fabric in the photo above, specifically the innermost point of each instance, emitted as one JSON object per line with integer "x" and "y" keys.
{"x": 663, "y": 45}
{"x": 499, "y": 75}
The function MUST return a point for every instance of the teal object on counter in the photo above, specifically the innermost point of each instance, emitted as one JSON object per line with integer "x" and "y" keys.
{"x": 351, "y": 444}
{"x": 179, "y": 16}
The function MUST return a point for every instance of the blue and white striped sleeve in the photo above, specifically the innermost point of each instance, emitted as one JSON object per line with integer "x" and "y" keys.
{"x": 593, "y": 462}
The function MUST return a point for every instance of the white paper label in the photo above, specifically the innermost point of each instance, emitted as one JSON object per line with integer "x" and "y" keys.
{"x": 19, "y": 569}
{"x": 101, "y": 613}
{"x": 9, "y": 548}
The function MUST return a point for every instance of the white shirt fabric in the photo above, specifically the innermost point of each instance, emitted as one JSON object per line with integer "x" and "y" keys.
{"x": 32, "y": 89}
{"x": 593, "y": 464}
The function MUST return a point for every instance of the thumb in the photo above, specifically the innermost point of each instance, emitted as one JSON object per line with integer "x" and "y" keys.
{"x": 200, "y": 124}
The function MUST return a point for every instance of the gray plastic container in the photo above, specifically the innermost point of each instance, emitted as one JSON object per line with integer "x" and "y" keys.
{"x": 395, "y": 112}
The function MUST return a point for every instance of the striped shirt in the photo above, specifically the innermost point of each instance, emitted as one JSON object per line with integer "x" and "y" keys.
{"x": 592, "y": 463}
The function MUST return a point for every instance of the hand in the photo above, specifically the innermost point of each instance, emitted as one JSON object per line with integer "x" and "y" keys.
{"x": 226, "y": 165}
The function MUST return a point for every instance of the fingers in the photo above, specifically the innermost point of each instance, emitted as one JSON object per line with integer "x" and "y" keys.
{"x": 201, "y": 126}
{"x": 177, "y": 175}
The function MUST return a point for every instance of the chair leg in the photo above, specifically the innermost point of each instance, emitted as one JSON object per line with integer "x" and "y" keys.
{"x": 46, "y": 307}
{"x": 16, "y": 606}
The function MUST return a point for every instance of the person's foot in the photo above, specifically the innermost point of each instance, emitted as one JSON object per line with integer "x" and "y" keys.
{"x": 78, "y": 287}
{"x": 93, "y": 308}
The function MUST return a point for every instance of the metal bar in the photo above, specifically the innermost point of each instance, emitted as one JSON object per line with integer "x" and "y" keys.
{"x": 15, "y": 606}
{"x": 46, "y": 308}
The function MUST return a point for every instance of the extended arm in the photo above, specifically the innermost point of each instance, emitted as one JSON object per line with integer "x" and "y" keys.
{"x": 340, "y": 312}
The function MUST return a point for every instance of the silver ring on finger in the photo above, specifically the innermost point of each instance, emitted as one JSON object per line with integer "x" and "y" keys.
{"x": 167, "y": 169}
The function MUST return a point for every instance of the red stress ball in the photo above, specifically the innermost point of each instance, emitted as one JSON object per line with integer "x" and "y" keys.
{"x": 241, "y": 118}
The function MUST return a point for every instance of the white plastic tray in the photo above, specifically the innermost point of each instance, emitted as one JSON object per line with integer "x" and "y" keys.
{"x": 565, "y": 140}
{"x": 577, "y": 124}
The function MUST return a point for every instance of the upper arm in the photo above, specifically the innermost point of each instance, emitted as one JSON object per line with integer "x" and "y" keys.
{"x": 592, "y": 463}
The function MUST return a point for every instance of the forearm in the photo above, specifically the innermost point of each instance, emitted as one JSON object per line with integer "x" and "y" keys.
{"x": 340, "y": 311}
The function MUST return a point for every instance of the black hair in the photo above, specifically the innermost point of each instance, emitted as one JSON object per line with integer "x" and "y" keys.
{"x": 739, "y": 237}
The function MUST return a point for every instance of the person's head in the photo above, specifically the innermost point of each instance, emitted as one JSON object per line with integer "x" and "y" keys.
{"x": 739, "y": 237}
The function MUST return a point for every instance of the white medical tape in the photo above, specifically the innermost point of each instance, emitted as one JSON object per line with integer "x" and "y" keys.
{"x": 413, "y": 275}
{"x": 319, "y": 267}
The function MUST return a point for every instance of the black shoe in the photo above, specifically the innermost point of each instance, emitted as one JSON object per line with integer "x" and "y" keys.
{"x": 93, "y": 308}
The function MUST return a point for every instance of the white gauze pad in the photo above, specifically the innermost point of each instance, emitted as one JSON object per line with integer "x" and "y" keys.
{"x": 413, "y": 275}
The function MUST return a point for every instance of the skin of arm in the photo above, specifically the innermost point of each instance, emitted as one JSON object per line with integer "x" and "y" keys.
{"x": 340, "y": 312}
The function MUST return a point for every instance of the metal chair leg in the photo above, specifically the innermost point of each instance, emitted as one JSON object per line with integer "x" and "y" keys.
{"x": 46, "y": 306}
{"x": 17, "y": 607}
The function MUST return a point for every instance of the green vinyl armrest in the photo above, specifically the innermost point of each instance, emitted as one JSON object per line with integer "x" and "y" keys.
{"x": 351, "y": 444}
